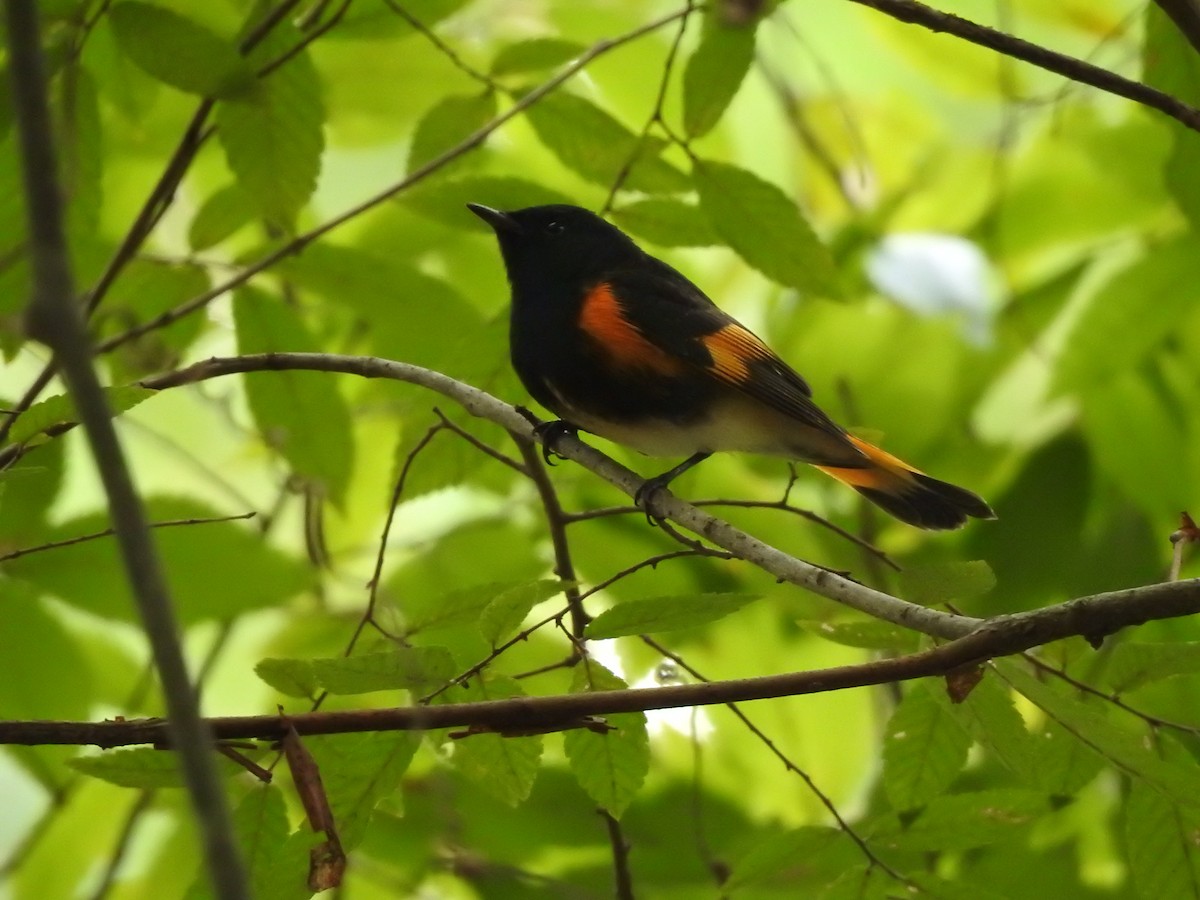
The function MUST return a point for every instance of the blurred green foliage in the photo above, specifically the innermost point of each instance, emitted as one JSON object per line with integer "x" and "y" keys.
{"x": 988, "y": 269}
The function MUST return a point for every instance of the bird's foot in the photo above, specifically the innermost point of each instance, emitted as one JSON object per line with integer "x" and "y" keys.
{"x": 549, "y": 434}
{"x": 648, "y": 495}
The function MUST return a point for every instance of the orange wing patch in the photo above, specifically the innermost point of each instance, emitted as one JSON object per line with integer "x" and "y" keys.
{"x": 732, "y": 348}
{"x": 603, "y": 320}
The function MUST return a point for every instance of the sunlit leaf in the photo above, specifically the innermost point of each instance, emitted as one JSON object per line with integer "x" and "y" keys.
{"x": 504, "y": 614}
{"x": 301, "y": 414}
{"x": 449, "y": 121}
{"x": 534, "y": 55}
{"x": 593, "y": 144}
{"x": 91, "y": 576}
{"x": 46, "y": 414}
{"x": 400, "y": 668}
{"x": 224, "y": 212}
{"x": 666, "y": 222}
{"x": 274, "y": 139}
{"x": 765, "y": 227}
{"x": 713, "y": 75}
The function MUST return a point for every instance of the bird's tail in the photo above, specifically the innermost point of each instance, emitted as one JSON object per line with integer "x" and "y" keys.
{"x": 908, "y": 494}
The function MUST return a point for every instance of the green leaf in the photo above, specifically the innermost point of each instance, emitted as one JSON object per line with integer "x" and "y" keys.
{"x": 260, "y": 825}
{"x": 714, "y": 72}
{"x": 445, "y": 201}
{"x": 1161, "y": 841}
{"x": 405, "y": 309}
{"x": 294, "y": 677}
{"x": 657, "y": 614}
{"x": 358, "y": 771}
{"x": 534, "y": 55}
{"x": 141, "y": 767}
{"x": 90, "y": 575}
{"x": 505, "y": 613}
{"x": 783, "y": 859}
{"x": 868, "y": 635}
{"x": 223, "y": 213}
{"x": 612, "y": 765}
{"x": 765, "y": 228}
{"x": 457, "y": 607}
{"x": 594, "y": 145}
{"x": 1171, "y": 65}
{"x": 401, "y": 668}
{"x": 962, "y": 821}
{"x": 1133, "y": 664}
{"x": 1123, "y": 748}
{"x": 666, "y": 222}
{"x": 274, "y": 139}
{"x": 505, "y": 767}
{"x": 180, "y": 52}
{"x": 32, "y": 424}
{"x": 1130, "y": 316}
{"x": 924, "y": 749}
{"x": 451, "y": 119}
{"x": 300, "y": 414}
{"x": 937, "y": 583}
{"x": 146, "y": 289}
{"x": 989, "y": 715}
{"x": 1131, "y": 403}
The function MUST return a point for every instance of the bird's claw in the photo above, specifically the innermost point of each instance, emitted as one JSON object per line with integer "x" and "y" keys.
{"x": 549, "y": 433}
{"x": 645, "y": 497}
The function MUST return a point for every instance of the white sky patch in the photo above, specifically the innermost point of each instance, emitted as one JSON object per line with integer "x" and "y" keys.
{"x": 686, "y": 720}
{"x": 937, "y": 274}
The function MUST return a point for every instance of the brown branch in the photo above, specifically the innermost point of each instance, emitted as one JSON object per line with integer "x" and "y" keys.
{"x": 1090, "y": 617}
{"x": 620, "y": 855}
{"x": 556, "y": 523}
{"x": 1186, "y": 16}
{"x": 916, "y": 13}
{"x": 54, "y": 317}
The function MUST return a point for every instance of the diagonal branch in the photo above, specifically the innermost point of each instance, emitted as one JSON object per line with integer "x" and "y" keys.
{"x": 55, "y": 318}
{"x": 1044, "y": 58}
{"x": 1002, "y": 636}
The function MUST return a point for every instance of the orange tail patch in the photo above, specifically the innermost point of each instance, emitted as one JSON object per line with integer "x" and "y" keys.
{"x": 907, "y": 493}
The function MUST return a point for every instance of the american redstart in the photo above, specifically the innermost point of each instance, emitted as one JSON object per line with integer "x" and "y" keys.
{"x": 619, "y": 344}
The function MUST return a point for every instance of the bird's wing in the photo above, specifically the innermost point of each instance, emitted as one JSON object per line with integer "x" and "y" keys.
{"x": 675, "y": 318}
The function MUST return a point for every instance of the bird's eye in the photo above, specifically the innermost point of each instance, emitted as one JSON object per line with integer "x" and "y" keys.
{"x": 556, "y": 228}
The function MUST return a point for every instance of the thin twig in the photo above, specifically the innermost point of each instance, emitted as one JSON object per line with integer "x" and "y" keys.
{"x": 556, "y": 524}
{"x": 821, "y": 796}
{"x": 445, "y": 49}
{"x": 109, "y": 532}
{"x": 397, "y": 492}
{"x": 916, "y": 13}
{"x": 656, "y": 114}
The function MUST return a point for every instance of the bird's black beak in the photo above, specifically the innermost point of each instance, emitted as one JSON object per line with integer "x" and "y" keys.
{"x": 501, "y": 222}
